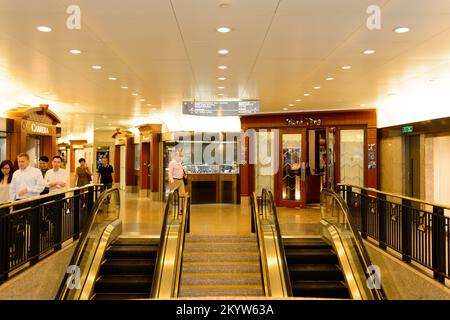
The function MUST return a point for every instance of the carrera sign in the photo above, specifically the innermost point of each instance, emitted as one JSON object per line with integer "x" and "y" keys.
{"x": 37, "y": 128}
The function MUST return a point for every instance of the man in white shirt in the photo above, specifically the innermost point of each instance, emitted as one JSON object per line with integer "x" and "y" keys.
{"x": 176, "y": 173}
{"x": 57, "y": 179}
{"x": 27, "y": 182}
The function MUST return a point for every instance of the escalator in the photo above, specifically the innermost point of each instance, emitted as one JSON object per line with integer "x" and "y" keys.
{"x": 108, "y": 266}
{"x": 127, "y": 270}
{"x": 314, "y": 269}
{"x": 332, "y": 265}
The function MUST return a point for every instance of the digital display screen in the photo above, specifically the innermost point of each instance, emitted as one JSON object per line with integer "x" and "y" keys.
{"x": 220, "y": 108}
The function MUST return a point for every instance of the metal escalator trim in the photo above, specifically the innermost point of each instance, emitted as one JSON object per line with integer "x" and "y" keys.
{"x": 350, "y": 277}
{"x": 274, "y": 263}
{"x": 261, "y": 248}
{"x": 180, "y": 249}
{"x": 111, "y": 232}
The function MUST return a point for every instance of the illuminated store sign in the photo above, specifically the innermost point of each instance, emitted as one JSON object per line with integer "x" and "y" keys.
{"x": 303, "y": 122}
{"x": 37, "y": 128}
{"x": 220, "y": 108}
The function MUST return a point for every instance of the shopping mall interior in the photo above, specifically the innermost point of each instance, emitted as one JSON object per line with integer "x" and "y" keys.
{"x": 251, "y": 150}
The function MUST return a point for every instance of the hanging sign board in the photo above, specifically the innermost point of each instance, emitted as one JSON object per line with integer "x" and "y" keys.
{"x": 220, "y": 108}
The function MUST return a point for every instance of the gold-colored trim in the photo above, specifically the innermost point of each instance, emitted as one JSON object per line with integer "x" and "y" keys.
{"x": 111, "y": 232}
{"x": 181, "y": 247}
{"x": 397, "y": 196}
{"x": 50, "y": 195}
{"x": 350, "y": 278}
{"x": 262, "y": 249}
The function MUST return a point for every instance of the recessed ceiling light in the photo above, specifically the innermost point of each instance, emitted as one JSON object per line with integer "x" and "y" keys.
{"x": 316, "y": 88}
{"x": 84, "y": 111}
{"x": 362, "y": 105}
{"x": 75, "y": 51}
{"x": 307, "y": 94}
{"x": 285, "y": 109}
{"x": 220, "y": 94}
{"x": 124, "y": 87}
{"x": 112, "y": 78}
{"x": 223, "y": 29}
{"x": 299, "y": 100}
{"x": 223, "y": 52}
{"x": 401, "y": 29}
{"x": 142, "y": 100}
{"x": 76, "y": 103}
{"x": 222, "y": 67}
{"x": 221, "y": 78}
{"x": 134, "y": 94}
{"x": 148, "y": 104}
{"x": 96, "y": 67}
{"x": 292, "y": 105}
{"x": 220, "y": 88}
{"x": 329, "y": 79}
{"x": 346, "y": 67}
{"x": 44, "y": 29}
{"x": 369, "y": 51}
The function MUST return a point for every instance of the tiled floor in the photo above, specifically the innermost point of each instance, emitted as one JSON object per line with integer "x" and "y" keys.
{"x": 142, "y": 216}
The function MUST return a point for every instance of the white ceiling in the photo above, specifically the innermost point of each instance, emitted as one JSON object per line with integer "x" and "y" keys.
{"x": 167, "y": 51}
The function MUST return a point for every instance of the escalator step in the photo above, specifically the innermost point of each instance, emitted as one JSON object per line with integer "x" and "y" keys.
{"x": 320, "y": 289}
{"x": 120, "y": 296}
{"x": 123, "y": 284}
{"x": 315, "y": 272}
{"x": 131, "y": 252}
{"x": 136, "y": 241}
{"x": 127, "y": 266}
{"x": 310, "y": 256}
{"x": 306, "y": 243}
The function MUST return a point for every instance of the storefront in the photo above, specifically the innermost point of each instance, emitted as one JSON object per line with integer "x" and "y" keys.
{"x": 296, "y": 155}
{"x": 211, "y": 161}
{"x": 33, "y": 132}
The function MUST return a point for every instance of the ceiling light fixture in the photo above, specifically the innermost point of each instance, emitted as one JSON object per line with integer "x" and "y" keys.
{"x": 220, "y": 94}
{"x": 97, "y": 67}
{"x": 148, "y": 104}
{"x": 124, "y": 87}
{"x": 222, "y": 67}
{"x": 292, "y": 105}
{"x": 285, "y": 109}
{"x": 316, "y": 88}
{"x": 307, "y": 94}
{"x": 44, "y": 29}
{"x": 221, "y": 78}
{"x": 142, "y": 100}
{"x": 220, "y": 88}
{"x": 223, "y": 29}
{"x": 369, "y": 51}
{"x": 299, "y": 100}
{"x": 401, "y": 29}
{"x": 346, "y": 67}
{"x": 112, "y": 78}
{"x": 329, "y": 79}
{"x": 134, "y": 94}
{"x": 75, "y": 51}
{"x": 223, "y": 52}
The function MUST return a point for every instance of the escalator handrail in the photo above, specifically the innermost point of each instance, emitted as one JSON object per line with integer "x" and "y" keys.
{"x": 280, "y": 244}
{"x": 63, "y": 290}
{"x": 156, "y": 281}
{"x": 261, "y": 245}
{"x": 363, "y": 254}
{"x": 185, "y": 217}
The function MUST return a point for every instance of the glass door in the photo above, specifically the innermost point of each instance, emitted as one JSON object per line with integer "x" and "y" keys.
{"x": 292, "y": 173}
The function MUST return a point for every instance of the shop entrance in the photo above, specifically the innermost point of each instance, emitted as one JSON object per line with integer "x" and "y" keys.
{"x": 291, "y": 177}
{"x": 33, "y": 149}
{"x": 316, "y": 164}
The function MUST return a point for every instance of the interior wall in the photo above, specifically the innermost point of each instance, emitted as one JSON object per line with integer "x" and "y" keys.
{"x": 440, "y": 178}
{"x": 392, "y": 165}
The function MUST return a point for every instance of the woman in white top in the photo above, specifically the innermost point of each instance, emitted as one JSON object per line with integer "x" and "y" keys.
{"x": 6, "y": 173}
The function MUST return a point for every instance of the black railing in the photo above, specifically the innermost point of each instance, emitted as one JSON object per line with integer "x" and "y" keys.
{"x": 30, "y": 229}
{"x": 416, "y": 229}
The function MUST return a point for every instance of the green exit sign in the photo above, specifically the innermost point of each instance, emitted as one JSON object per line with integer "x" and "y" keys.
{"x": 407, "y": 129}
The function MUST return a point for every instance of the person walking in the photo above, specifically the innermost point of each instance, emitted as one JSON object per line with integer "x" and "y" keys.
{"x": 27, "y": 182}
{"x": 6, "y": 172}
{"x": 176, "y": 173}
{"x": 83, "y": 174}
{"x": 105, "y": 171}
{"x": 57, "y": 179}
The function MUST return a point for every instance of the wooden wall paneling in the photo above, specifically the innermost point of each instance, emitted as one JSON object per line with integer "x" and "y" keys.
{"x": 155, "y": 154}
{"x": 129, "y": 154}
{"x": 117, "y": 164}
{"x": 145, "y": 161}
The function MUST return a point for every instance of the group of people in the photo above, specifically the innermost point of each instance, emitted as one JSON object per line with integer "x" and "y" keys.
{"x": 22, "y": 181}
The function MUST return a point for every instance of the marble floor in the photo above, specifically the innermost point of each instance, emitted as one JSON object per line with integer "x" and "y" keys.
{"x": 142, "y": 216}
